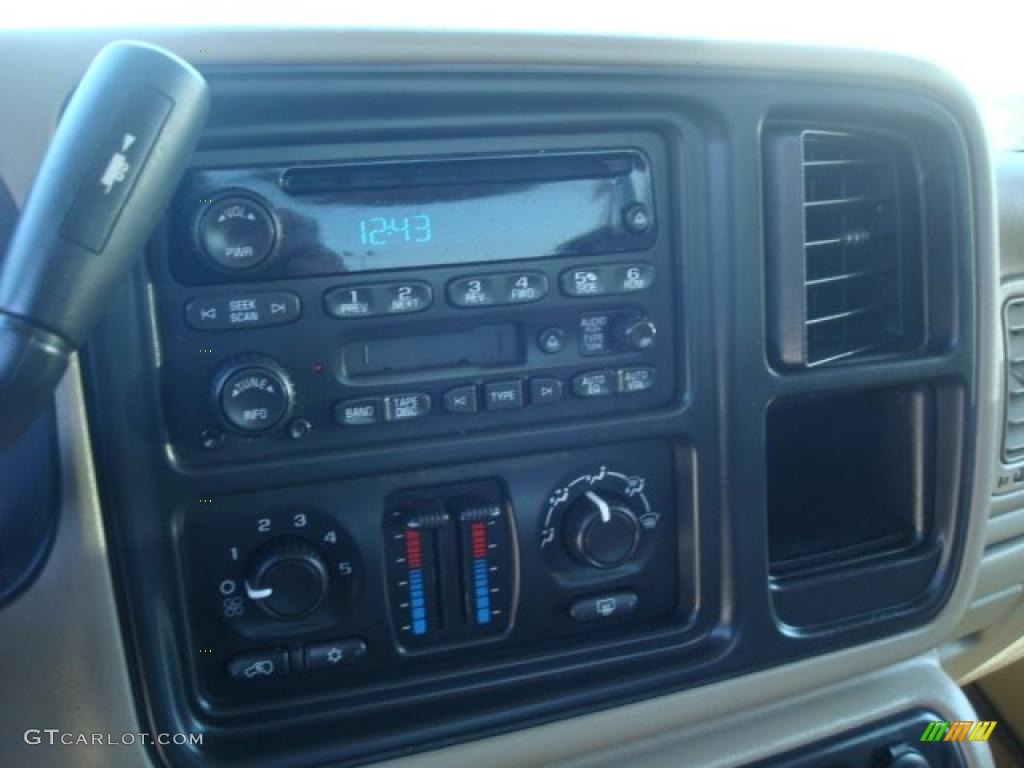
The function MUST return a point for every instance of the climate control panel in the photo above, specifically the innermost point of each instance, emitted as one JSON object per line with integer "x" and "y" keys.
{"x": 343, "y": 583}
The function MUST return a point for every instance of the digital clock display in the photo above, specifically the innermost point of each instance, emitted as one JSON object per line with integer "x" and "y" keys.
{"x": 382, "y": 230}
{"x": 471, "y": 223}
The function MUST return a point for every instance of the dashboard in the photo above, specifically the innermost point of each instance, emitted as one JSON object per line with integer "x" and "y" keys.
{"x": 555, "y": 399}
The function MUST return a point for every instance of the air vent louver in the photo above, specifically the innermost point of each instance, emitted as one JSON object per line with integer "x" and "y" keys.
{"x": 1013, "y": 439}
{"x": 839, "y": 207}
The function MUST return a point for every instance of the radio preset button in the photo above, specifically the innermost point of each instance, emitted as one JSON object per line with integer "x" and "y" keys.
{"x": 461, "y": 399}
{"x": 594, "y": 384}
{"x": 349, "y": 301}
{"x": 503, "y": 395}
{"x": 406, "y": 406}
{"x": 359, "y": 413}
{"x": 406, "y": 298}
{"x": 247, "y": 310}
{"x": 633, "y": 277}
{"x": 472, "y": 292}
{"x": 639, "y": 379}
{"x": 524, "y": 287}
{"x": 545, "y": 390}
{"x": 585, "y": 281}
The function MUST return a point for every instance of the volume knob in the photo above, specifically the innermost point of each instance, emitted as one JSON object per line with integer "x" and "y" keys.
{"x": 600, "y": 531}
{"x": 236, "y": 232}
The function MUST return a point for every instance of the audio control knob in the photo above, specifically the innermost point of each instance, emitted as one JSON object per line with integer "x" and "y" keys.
{"x": 287, "y": 579}
{"x": 601, "y": 530}
{"x": 635, "y": 333}
{"x": 253, "y": 394}
{"x": 236, "y": 232}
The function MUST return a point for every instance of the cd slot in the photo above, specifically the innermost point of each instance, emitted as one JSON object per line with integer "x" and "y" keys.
{"x": 481, "y": 347}
{"x": 460, "y": 171}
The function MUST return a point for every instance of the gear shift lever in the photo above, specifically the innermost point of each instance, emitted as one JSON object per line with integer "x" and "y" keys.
{"x": 117, "y": 155}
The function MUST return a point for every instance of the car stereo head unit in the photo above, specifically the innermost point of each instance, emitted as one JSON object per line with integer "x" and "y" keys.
{"x": 337, "y": 302}
{"x": 356, "y": 217}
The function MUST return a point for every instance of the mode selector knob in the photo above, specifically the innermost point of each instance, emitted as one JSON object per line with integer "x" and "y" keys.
{"x": 287, "y": 579}
{"x": 253, "y": 394}
{"x": 601, "y": 531}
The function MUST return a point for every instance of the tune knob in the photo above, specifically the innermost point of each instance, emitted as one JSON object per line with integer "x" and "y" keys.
{"x": 253, "y": 394}
{"x": 287, "y": 579}
{"x": 601, "y": 530}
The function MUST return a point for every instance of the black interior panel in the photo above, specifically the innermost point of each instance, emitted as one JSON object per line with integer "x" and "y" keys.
{"x": 752, "y": 547}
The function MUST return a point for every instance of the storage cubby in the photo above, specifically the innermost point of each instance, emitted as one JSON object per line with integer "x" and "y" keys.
{"x": 848, "y": 476}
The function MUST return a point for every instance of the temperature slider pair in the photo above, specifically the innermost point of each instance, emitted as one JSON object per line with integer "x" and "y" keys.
{"x": 451, "y": 569}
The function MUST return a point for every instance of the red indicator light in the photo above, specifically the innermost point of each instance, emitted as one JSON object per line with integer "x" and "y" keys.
{"x": 478, "y": 534}
{"x": 413, "y": 552}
